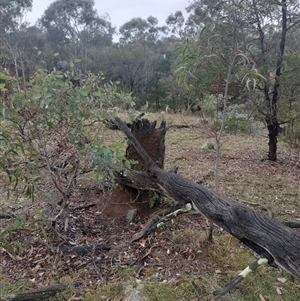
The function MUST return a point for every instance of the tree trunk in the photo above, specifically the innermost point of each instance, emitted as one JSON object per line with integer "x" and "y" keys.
{"x": 273, "y": 128}
{"x": 270, "y": 239}
{"x": 272, "y": 122}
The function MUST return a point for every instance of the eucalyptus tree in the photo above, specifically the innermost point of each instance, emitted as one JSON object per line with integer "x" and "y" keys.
{"x": 12, "y": 27}
{"x": 73, "y": 27}
{"x": 270, "y": 23}
{"x": 176, "y": 24}
{"x": 263, "y": 27}
{"x": 141, "y": 30}
{"x": 289, "y": 106}
{"x": 12, "y": 13}
{"x": 22, "y": 53}
{"x": 127, "y": 64}
{"x": 139, "y": 61}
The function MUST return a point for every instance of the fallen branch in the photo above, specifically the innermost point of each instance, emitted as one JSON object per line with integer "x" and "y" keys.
{"x": 85, "y": 249}
{"x": 272, "y": 240}
{"x": 156, "y": 221}
{"x": 39, "y": 294}
{"x": 233, "y": 283}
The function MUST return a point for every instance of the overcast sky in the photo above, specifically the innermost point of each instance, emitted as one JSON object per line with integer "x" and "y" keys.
{"x": 121, "y": 11}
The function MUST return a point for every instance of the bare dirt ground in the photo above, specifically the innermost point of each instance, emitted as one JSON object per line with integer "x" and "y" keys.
{"x": 177, "y": 250}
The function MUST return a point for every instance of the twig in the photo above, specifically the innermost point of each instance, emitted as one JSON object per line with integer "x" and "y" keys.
{"x": 157, "y": 221}
{"x": 233, "y": 283}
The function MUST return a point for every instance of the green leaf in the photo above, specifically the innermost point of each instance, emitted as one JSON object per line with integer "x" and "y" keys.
{"x": 36, "y": 96}
{"x": 16, "y": 224}
{"x": 5, "y": 77}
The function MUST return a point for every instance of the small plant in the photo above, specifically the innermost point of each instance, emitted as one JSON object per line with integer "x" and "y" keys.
{"x": 238, "y": 123}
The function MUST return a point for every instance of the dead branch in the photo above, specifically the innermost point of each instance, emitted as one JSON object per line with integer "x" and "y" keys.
{"x": 85, "y": 249}
{"x": 270, "y": 239}
{"x": 40, "y": 294}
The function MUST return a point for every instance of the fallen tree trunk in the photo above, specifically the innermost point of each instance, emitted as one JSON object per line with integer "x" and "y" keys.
{"x": 270, "y": 239}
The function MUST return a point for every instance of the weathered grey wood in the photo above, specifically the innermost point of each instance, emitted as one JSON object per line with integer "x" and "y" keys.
{"x": 270, "y": 239}
{"x": 85, "y": 249}
{"x": 40, "y": 294}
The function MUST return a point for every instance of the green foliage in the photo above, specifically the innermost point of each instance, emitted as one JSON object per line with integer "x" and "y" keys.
{"x": 107, "y": 160}
{"x": 15, "y": 170}
{"x": 11, "y": 11}
{"x": 48, "y": 128}
{"x": 51, "y": 121}
{"x": 209, "y": 106}
{"x": 106, "y": 292}
{"x": 291, "y": 133}
{"x": 21, "y": 227}
{"x": 238, "y": 123}
{"x": 140, "y": 30}
{"x": 76, "y": 22}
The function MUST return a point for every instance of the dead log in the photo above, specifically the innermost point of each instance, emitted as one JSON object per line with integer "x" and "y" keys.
{"x": 83, "y": 250}
{"x": 39, "y": 294}
{"x": 268, "y": 238}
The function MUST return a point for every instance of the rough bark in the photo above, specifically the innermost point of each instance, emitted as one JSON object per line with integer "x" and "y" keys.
{"x": 270, "y": 239}
{"x": 272, "y": 121}
{"x": 152, "y": 140}
{"x": 134, "y": 199}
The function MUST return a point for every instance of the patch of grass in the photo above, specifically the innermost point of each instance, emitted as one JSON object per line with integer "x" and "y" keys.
{"x": 107, "y": 292}
{"x": 7, "y": 286}
{"x": 125, "y": 274}
{"x": 149, "y": 271}
{"x": 157, "y": 291}
{"x": 232, "y": 257}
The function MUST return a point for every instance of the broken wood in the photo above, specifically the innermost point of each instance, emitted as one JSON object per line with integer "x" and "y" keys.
{"x": 33, "y": 295}
{"x": 131, "y": 199}
{"x": 83, "y": 250}
{"x": 268, "y": 238}
{"x": 5, "y": 216}
{"x": 157, "y": 221}
{"x": 152, "y": 140}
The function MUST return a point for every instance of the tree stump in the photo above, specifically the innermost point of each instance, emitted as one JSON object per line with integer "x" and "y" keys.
{"x": 151, "y": 139}
{"x": 127, "y": 200}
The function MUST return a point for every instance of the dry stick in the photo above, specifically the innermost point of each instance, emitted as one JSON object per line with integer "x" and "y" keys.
{"x": 39, "y": 294}
{"x": 156, "y": 222}
{"x": 233, "y": 283}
